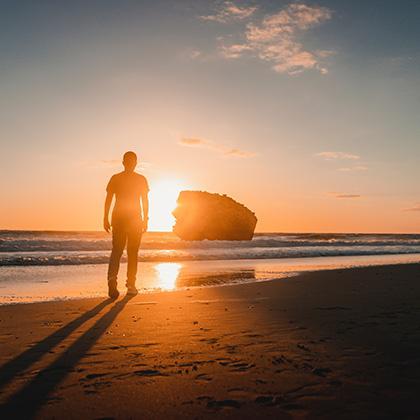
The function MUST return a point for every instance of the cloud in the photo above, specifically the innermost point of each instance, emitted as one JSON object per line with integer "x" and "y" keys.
{"x": 194, "y": 54}
{"x": 276, "y": 39}
{"x": 341, "y": 156}
{"x": 238, "y": 153}
{"x": 193, "y": 142}
{"x": 415, "y": 208}
{"x": 223, "y": 150}
{"x": 235, "y": 50}
{"x": 229, "y": 11}
{"x": 358, "y": 168}
{"x": 343, "y": 195}
{"x": 337, "y": 156}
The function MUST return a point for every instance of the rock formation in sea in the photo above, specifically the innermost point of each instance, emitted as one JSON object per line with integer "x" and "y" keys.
{"x": 201, "y": 215}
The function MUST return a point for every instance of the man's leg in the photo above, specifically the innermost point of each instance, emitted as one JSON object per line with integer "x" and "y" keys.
{"x": 133, "y": 244}
{"x": 119, "y": 238}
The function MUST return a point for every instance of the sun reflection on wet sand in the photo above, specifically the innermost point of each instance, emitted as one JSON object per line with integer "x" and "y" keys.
{"x": 167, "y": 275}
{"x": 20, "y": 284}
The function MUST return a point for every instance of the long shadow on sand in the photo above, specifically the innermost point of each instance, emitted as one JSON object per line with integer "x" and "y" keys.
{"x": 26, "y": 402}
{"x": 19, "y": 364}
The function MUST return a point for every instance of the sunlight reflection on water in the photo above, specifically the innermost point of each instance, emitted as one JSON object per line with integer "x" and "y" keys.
{"x": 20, "y": 284}
{"x": 167, "y": 275}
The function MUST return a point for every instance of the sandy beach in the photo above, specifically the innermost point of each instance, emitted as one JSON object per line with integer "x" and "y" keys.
{"x": 210, "y": 209}
{"x": 328, "y": 344}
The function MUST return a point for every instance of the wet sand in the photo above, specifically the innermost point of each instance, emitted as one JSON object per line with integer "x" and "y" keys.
{"x": 29, "y": 284}
{"x": 329, "y": 344}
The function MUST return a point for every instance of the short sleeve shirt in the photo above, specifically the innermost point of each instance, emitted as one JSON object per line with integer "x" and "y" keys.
{"x": 128, "y": 189}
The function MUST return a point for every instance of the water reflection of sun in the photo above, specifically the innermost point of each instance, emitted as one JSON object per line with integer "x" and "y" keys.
{"x": 167, "y": 275}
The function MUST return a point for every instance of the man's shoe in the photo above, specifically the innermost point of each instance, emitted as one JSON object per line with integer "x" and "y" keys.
{"x": 113, "y": 293}
{"x": 132, "y": 291}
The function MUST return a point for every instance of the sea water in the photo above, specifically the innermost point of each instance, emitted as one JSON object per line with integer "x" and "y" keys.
{"x": 45, "y": 265}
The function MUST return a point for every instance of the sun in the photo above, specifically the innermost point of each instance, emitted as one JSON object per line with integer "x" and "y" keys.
{"x": 162, "y": 201}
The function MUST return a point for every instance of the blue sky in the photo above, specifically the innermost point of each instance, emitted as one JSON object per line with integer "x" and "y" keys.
{"x": 306, "y": 112}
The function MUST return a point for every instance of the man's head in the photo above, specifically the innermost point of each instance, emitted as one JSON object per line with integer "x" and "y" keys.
{"x": 130, "y": 161}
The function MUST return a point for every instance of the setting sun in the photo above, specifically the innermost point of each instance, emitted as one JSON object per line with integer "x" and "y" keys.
{"x": 210, "y": 209}
{"x": 162, "y": 198}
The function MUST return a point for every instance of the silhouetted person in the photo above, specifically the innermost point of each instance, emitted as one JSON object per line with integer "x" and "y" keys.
{"x": 129, "y": 221}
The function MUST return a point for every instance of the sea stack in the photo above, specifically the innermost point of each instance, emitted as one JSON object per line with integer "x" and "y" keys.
{"x": 201, "y": 215}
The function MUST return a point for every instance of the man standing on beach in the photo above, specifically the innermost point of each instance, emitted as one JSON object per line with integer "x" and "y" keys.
{"x": 129, "y": 221}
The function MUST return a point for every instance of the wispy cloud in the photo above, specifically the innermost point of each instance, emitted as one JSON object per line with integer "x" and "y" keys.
{"x": 358, "y": 168}
{"x": 221, "y": 149}
{"x": 337, "y": 156}
{"x": 239, "y": 153}
{"x": 194, "y": 54}
{"x": 415, "y": 208}
{"x": 193, "y": 142}
{"x": 343, "y": 195}
{"x": 229, "y": 11}
{"x": 277, "y": 39}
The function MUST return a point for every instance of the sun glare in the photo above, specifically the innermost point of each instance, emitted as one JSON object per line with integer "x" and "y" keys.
{"x": 162, "y": 201}
{"x": 167, "y": 275}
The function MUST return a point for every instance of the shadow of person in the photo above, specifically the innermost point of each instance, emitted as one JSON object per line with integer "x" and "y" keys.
{"x": 20, "y": 363}
{"x": 26, "y": 402}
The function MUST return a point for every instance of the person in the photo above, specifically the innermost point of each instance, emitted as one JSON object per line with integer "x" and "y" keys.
{"x": 129, "y": 220}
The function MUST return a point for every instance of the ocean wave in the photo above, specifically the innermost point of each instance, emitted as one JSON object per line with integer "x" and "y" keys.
{"x": 75, "y": 248}
{"x": 78, "y": 258}
{"x": 91, "y": 244}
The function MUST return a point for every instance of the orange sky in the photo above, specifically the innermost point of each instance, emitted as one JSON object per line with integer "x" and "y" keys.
{"x": 319, "y": 135}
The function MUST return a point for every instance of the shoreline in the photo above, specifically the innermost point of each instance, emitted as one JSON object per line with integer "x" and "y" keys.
{"x": 333, "y": 344}
{"x": 24, "y": 285}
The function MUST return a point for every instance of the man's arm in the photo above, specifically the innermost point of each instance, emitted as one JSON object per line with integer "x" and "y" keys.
{"x": 108, "y": 201}
{"x": 145, "y": 208}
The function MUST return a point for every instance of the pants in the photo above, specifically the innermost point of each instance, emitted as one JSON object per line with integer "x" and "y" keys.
{"x": 124, "y": 231}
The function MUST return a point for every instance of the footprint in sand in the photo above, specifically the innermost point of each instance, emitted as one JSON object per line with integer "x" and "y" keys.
{"x": 303, "y": 347}
{"x": 148, "y": 344}
{"x": 91, "y": 376}
{"x": 292, "y": 407}
{"x": 203, "y": 377}
{"x": 321, "y": 371}
{"x": 241, "y": 366}
{"x": 148, "y": 372}
{"x": 333, "y": 308}
{"x": 241, "y": 393}
{"x": 205, "y": 398}
{"x": 218, "y": 404}
{"x": 280, "y": 360}
{"x": 269, "y": 400}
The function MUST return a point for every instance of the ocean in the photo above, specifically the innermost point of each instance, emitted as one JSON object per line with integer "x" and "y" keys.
{"x": 30, "y": 248}
{"x": 41, "y": 266}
